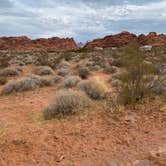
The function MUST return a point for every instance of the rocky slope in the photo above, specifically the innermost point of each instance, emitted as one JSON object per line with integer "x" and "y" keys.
{"x": 125, "y": 38}
{"x": 24, "y": 43}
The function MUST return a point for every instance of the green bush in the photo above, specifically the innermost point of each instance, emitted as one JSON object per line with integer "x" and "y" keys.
{"x": 66, "y": 102}
{"x": 135, "y": 80}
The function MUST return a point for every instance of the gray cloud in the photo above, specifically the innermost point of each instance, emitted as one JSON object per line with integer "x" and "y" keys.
{"x": 5, "y": 4}
{"x": 82, "y": 19}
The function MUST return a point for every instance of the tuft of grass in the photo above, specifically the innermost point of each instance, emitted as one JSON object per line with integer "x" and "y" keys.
{"x": 66, "y": 102}
{"x": 94, "y": 88}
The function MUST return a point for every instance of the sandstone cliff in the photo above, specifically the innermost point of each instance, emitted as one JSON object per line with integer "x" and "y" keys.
{"x": 24, "y": 43}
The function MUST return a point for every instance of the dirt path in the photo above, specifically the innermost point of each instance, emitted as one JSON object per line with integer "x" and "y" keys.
{"x": 94, "y": 138}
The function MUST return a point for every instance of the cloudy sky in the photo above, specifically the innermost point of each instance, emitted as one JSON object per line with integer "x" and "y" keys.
{"x": 81, "y": 19}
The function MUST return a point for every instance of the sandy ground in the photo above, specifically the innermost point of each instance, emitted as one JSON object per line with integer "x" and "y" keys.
{"x": 95, "y": 137}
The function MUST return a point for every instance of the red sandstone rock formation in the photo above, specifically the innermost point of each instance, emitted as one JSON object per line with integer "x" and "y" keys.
{"x": 152, "y": 39}
{"x": 125, "y": 38}
{"x": 24, "y": 43}
{"x": 120, "y": 40}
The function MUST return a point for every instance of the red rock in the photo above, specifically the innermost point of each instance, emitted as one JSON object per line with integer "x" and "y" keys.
{"x": 120, "y": 40}
{"x": 125, "y": 38}
{"x": 152, "y": 39}
{"x": 24, "y": 43}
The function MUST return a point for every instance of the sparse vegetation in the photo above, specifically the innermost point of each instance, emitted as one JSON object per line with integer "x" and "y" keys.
{"x": 94, "y": 88}
{"x": 71, "y": 81}
{"x": 44, "y": 70}
{"x": 10, "y": 71}
{"x": 83, "y": 72}
{"x": 135, "y": 80}
{"x": 3, "y": 80}
{"x": 4, "y": 61}
{"x": 29, "y": 82}
{"x": 63, "y": 72}
{"x": 66, "y": 102}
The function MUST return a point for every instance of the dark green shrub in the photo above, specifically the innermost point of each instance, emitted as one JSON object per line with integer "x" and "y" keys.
{"x": 134, "y": 82}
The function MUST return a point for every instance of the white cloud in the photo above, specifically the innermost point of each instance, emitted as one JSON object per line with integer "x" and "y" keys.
{"x": 46, "y": 18}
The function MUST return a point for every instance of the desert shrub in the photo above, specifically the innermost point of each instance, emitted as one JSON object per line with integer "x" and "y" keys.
{"x": 94, "y": 88}
{"x": 83, "y": 72}
{"x": 135, "y": 80}
{"x": 119, "y": 62}
{"x": 63, "y": 64}
{"x": 4, "y": 61}
{"x": 66, "y": 102}
{"x": 10, "y": 71}
{"x": 114, "y": 82}
{"x": 44, "y": 70}
{"x": 3, "y": 80}
{"x": 158, "y": 85}
{"x": 29, "y": 82}
{"x": 110, "y": 69}
{"x": 71, "y": 81}
{"x": 63, "y": 72}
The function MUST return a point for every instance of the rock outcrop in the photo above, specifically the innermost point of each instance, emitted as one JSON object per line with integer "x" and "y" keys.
{"x": 119, "y": 40}
{"x": 152, "y": 39}
{"x": 24, "y": 43}
{"x": 125, "y": 38}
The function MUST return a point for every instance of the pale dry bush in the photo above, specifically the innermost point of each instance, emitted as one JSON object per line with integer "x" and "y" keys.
{"x": 29, "y": 82}
{"x": 10, "y": 71}
{"x": 44, "y": 70}
{"x": 66, "y": 102}
{"x": 94, "y": 88}
{"x": 71, "y": 81}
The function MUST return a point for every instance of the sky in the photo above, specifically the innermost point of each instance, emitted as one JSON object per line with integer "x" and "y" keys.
{"x": 83, "y": 20}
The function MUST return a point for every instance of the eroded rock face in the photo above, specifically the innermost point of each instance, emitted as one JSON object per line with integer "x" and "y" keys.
{"x": 125, "y": 38}
{"x": 152, "y": 39}
{"x": 24, "y": 43}
{"x": 120, "y": 40}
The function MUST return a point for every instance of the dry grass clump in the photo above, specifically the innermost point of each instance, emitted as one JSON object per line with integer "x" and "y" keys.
{"x": 64, "y": 64}
{"x": 44, "y": 70}
{"x": 10, "y": 71}
{"x": 29, "y": 82}
{"x": 63, "y": 68}
{"x": 83, "y": 72}
{"x": 63, "y": 72}
{"x": 66, "y": 102}
{"x": 94, "y": 88}
{"x": 71, "y": 81}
